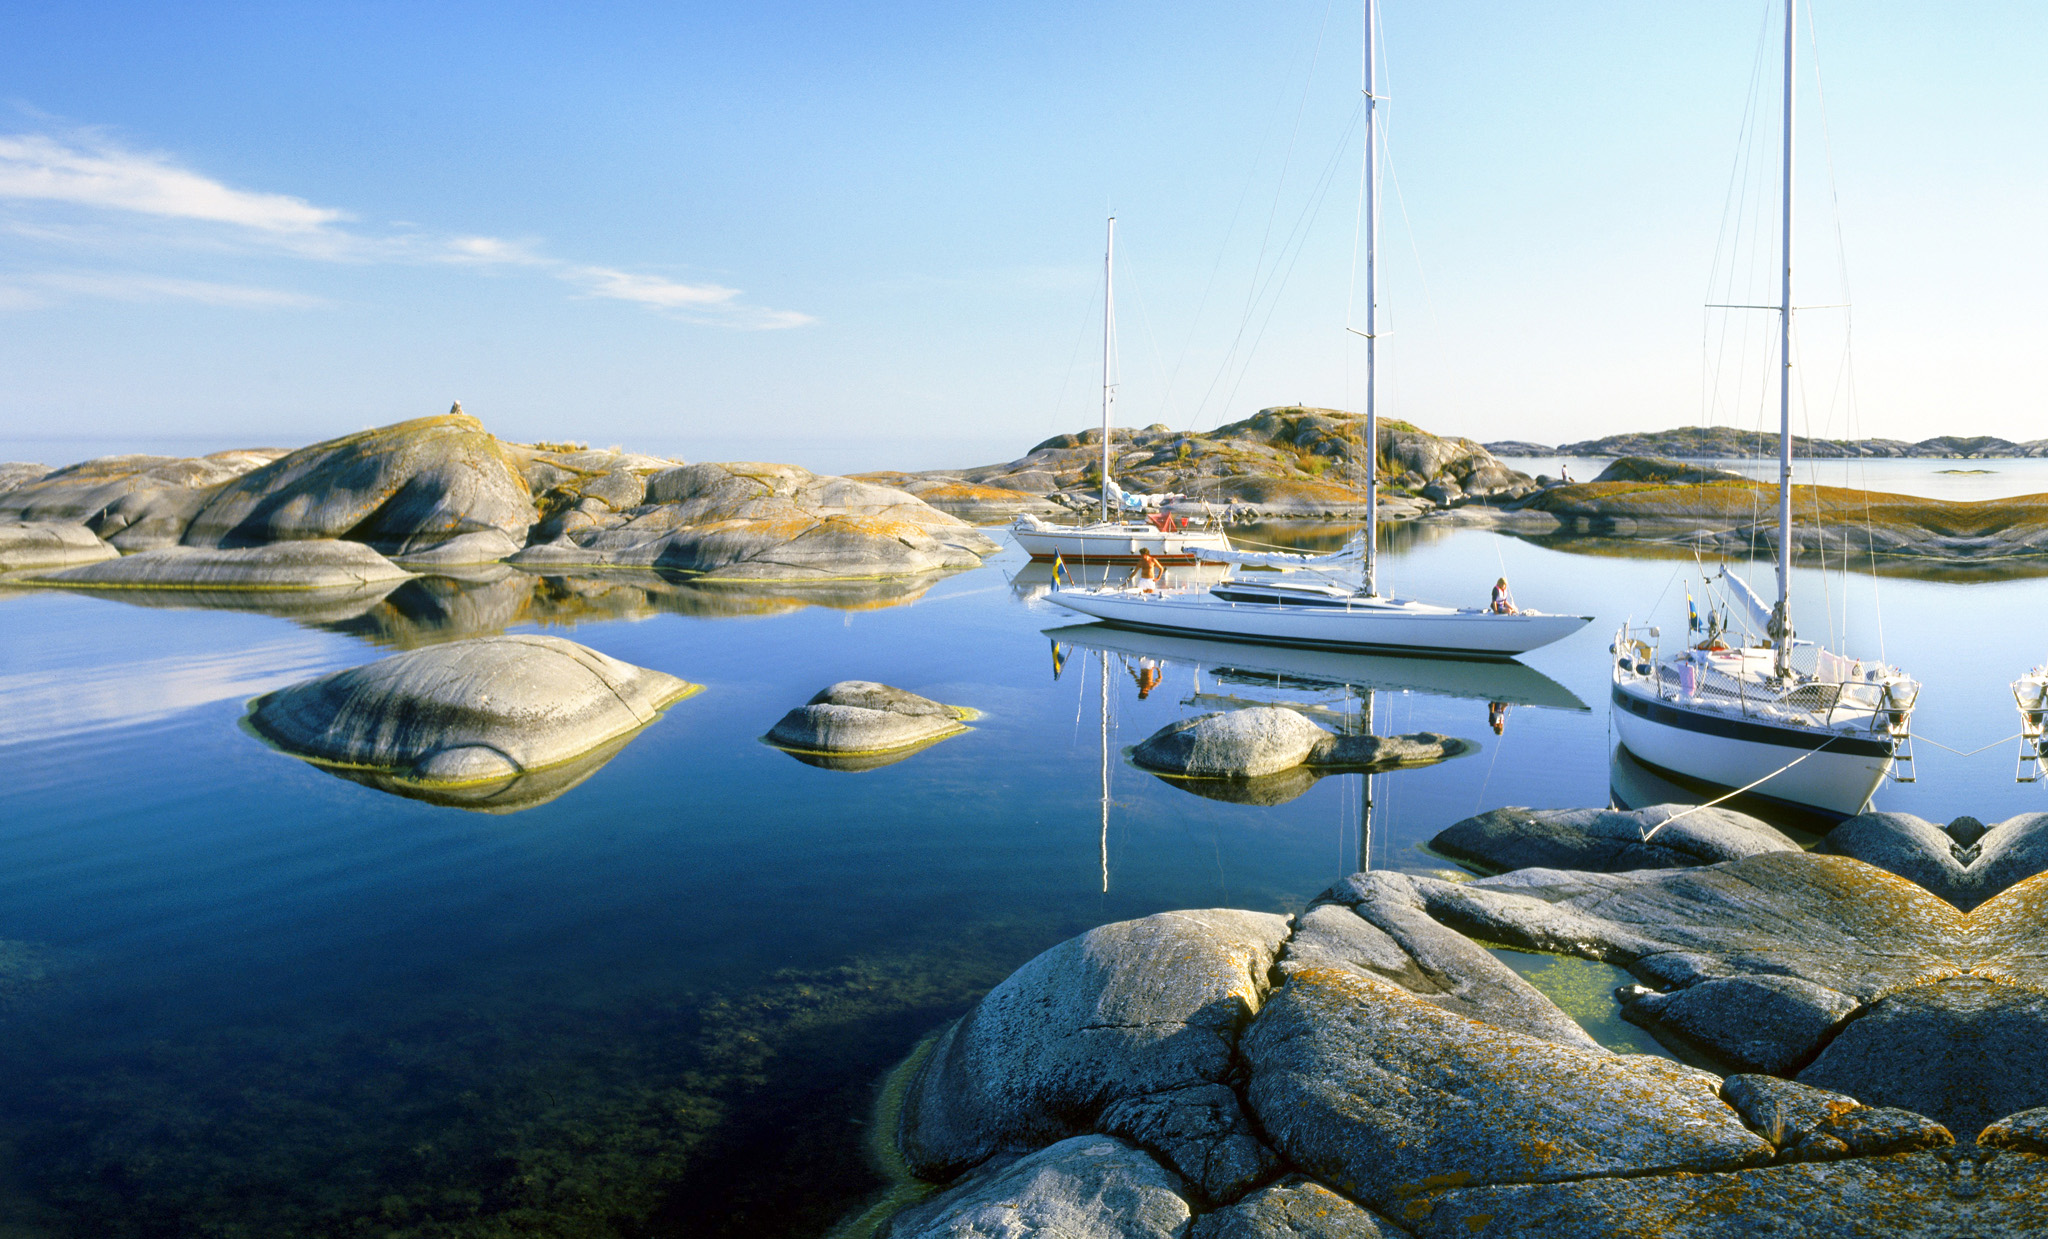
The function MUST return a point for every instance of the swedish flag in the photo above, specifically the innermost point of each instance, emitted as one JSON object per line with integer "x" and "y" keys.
{"x": 1059, "y": 660}
{"x": 1059, "y": 571}
{"x": 1692, "y": 613}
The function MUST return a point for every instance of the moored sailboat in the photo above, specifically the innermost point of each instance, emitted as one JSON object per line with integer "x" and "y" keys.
{"x": 1168, "y": 537}
{"x": 1766, "y": 713}
{"x": 1319, "y": 604}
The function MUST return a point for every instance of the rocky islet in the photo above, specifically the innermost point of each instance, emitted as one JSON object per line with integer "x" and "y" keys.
{"x": 1863, "y": 1054}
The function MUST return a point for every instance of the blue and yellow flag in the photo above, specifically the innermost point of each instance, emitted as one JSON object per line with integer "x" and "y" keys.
{"x": 1692, "y": 613}
{"x": 1059, "y": 660}
{"x": 1059, "y": 571}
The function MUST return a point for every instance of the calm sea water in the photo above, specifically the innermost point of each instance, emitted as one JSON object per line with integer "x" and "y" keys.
{"x": 240, "y": 996}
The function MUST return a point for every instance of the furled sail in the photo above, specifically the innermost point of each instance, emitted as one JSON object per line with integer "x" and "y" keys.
{"x": 1756, "y": 609}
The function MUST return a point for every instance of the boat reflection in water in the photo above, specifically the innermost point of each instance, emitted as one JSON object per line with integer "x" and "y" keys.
{"x": 1335, "y": 689}
{"x": 1632, "y": 785}
{"x": 1034, "y": 579}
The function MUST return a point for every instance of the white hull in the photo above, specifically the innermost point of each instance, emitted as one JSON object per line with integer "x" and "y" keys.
{"x": 1379, "y": 624}
{"x": 1830, "y": 781}
{"x": 1119, "y": 542}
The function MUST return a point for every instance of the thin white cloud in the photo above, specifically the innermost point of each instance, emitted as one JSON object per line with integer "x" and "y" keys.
{"x": 647, "y": 289}
{"x": 36, "y": 166}
{"x": 89, "y": 170}
{"x": 107, "y": 286}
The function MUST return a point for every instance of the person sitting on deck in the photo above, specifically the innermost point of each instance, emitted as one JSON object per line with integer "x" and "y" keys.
{"x": 1503, "y": 601}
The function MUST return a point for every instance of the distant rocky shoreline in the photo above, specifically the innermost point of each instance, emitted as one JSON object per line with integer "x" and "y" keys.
{"x": 1728, "y": 443}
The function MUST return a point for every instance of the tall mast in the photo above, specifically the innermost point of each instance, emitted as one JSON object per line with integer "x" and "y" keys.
{"x": 1781, "y": 616}
{"x": 1108, "y": 353}
{"x": 1372, "y": 299}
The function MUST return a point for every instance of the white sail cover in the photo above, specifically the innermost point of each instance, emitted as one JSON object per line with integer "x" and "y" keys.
{"x": 1758, "y": 611}
{"x": 1353, "y": 551}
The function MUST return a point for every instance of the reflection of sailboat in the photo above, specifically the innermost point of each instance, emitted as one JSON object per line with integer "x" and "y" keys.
{"x": 1234, "y": 662}
{"x": 1117, "y": 540}
{"x": 1633, "y": 785}
{"x": 1035, "y": 579}
{"x": 1795, "y": 721}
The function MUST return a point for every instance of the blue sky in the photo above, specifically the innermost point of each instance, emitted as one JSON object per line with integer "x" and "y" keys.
{"x": 860, "y": 236}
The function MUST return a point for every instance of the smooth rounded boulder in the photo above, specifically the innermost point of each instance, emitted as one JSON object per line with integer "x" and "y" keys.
{"x": 49, "y": 544}
{"x": 753, "y": 521}
{"x": 862, "y": 719}
{"x": 1259, "y": 741}
{"x": 1661, "y": 836}
{"x": 406, "y": 489}
{"x": 322, "y": 564}
{"x": 467, "y": 712}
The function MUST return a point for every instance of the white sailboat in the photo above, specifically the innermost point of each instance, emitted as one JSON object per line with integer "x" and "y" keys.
{"x": 1331, "y": 601}
{"x": 1170, "y": 538}
{"x": 1766, "y": 714}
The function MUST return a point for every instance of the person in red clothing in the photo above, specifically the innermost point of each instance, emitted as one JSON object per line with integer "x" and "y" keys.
{"x": 1503, "y": 601}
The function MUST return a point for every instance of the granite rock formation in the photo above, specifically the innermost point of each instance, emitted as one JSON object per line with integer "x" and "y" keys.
{"x": 473, "y": 712}
{"x": 1861, "y": 1057}
{"x": 1283, "y": 462}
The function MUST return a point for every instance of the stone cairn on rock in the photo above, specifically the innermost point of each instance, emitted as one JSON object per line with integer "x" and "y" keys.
{"x": 1863, "y": 1054}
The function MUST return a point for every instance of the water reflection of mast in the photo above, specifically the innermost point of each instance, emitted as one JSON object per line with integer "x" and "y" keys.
{"x": 1104, "y": 656}
{"x": 1365, "y": 792}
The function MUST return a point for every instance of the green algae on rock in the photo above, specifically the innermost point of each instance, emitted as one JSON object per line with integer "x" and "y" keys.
{"x": 467, "y": 713}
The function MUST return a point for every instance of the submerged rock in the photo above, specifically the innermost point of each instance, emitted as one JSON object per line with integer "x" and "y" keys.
{"x": 1089, "y": 1187}
{"x": 1262, "y": 741}
{"x": 309, "y": 565}
{"x": 1134, "y": 1010}
{"x": 406, "y": 489}
{"x": 469, "y": 712}
{"x": 752, "y": 521}
{"x": 860, "y": 718}
{"x": 49, "y": 544}
{"x": 1607, "y": 840}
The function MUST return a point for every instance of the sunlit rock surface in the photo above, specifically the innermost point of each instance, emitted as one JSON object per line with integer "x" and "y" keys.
{"x": 1400, "y": 1079}
{"x": 863, "y": 724}
{"x": 1089, "y": 1187}
{"x": 1136, "y": 1010}
{"x": 322, "y": 564}
{"x": 49, "y": 544}
{"x": 1261, "y": 741}
{"x": 405, "y": 489}
{"x": 1291, "y": 461}
{"x": 751, "y": 521}
{"x": 471, "y": 712}
{"x": 134, "y": 502}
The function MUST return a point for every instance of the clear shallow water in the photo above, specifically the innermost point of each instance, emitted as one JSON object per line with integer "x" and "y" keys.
{"x": 239, "y": 995}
